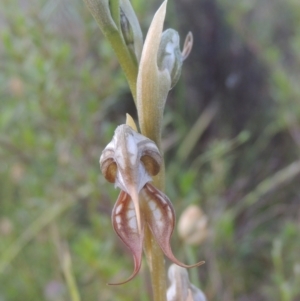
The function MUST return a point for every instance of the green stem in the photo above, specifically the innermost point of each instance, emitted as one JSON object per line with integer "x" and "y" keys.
{"x": 107, "y": 15}
{"x": 190, "y": 253}
{"x": 154, "y": 254}
{"x": 69, "y": 276}
{"x": 65, "y": 263}
{"x": 155, "y": 259}
{"x": 125, "y": 59}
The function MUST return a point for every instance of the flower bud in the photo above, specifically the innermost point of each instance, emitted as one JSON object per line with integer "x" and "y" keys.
{"x": 169, "y": 55}
{"x": 180, "y": 288}
{"x": 126, "y": 30}
{"x": 192, "y": 225}
{"x": 131, "y": 29}
{"x": 119, "y": 24}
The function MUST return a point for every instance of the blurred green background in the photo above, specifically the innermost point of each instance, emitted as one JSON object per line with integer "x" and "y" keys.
{"x": 231, "y": 140}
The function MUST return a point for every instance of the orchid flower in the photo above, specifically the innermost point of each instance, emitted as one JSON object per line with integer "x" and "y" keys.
{"x": 130, "y": 161}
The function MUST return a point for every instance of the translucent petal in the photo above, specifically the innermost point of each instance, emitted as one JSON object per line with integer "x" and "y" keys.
{"x": 125, "y": 224}
{"x": 180, "y": 288}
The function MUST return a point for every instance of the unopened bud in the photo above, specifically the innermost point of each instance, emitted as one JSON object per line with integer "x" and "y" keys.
{"x": 180, "y": 288}
{"x": 169, "y": 55}
{"x": 192, "y": 225}
{"x": 126, "y": 29}
{"x": 131, "y": 30}
{"x": 120, "y": 25}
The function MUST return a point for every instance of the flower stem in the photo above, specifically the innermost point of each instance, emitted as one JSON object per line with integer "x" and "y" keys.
{"x": 155, "y": 259}
{"x": 128, "y": 65}
{"x": 154, "y": 254}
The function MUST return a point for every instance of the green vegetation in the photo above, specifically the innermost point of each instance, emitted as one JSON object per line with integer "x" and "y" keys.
{"x": 62, "y": 94}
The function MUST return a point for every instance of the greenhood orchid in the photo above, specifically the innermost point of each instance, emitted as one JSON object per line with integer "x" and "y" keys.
{"x": 129, "y": 161}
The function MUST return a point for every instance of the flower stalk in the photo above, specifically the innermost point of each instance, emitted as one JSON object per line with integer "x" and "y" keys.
{"x": 156, "y": 263}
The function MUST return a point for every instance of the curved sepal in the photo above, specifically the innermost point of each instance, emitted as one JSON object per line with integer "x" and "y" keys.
{"x": 160, "y": 216}
{"x": 125, "y": 224}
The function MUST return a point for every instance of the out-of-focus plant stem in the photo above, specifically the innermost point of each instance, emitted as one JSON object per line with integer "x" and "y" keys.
{"x": 190, "y": 252}
{"x": 66, "y": 263}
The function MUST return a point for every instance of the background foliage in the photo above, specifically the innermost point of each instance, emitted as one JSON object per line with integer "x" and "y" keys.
{"x": 231, "y": 140}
